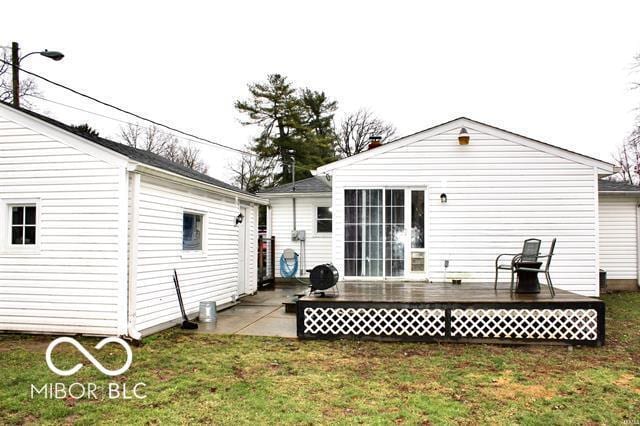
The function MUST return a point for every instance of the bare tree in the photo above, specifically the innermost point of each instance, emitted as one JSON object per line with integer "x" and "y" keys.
{"x": 356, "y": 128}
{"x": 628, "y": 155}
{"x": 154, "y": 139}
{"x": 252, "y": 173}
{"x": 27, "y": 85}
{"x": 189, "y": 155}
{"x": 147, "y": 138}
{"x": 628, "y": 158}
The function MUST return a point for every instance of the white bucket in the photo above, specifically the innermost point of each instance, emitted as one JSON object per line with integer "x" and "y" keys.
{"x": 208, "y": 312}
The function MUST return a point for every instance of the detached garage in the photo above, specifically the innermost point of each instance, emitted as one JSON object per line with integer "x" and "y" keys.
{"x": 91, "y": 231}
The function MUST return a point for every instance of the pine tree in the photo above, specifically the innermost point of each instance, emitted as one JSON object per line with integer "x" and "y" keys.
{"x": 290, "y": 119}
{"x": 273, "y": 106}
{"x": 317, "y": 129}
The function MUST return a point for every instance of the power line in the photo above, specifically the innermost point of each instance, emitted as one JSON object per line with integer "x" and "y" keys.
{"x": 129, "y": 112}
{"x": 157, "y": 123}
{"x": 117, "y": 119}
{"x": 298, "y": 166}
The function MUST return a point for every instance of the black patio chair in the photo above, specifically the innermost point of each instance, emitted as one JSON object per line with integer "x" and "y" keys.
{"x": 530, "y": 252}
{"x": 544, "y": 269}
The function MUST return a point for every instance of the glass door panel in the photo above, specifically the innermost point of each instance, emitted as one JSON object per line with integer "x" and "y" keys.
{"x": 417, "y": 231}
{"x": 394, "y": 232}
{"x": 363, "y": 233}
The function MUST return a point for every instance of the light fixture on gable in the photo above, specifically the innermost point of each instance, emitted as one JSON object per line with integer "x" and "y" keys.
{"x": 463, "y": 137}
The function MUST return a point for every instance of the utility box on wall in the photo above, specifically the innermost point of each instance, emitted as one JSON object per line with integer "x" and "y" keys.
{"x": 298, "y": 235}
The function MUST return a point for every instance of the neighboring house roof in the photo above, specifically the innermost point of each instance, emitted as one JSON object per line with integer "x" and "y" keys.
{"x": 313, "y": 184}
{"x": 613, "y": 187}
{"x": 139, "y": 155}
{"x": 605, "y": 167}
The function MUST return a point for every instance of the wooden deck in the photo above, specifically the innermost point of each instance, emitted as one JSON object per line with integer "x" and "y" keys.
{"x": 419, "y": 311}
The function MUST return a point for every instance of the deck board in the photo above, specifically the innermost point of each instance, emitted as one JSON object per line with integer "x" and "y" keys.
{"x": 422, "y": 292}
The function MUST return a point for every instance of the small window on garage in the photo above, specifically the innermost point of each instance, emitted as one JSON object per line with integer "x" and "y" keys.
{"x": 192, "y": 231}
{"x": 324, "y": 220}
{"x": 23, "y": 225}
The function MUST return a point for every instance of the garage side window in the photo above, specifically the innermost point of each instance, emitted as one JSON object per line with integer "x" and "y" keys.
{"x": 23, "y": 225}
{"x": 191, "y": 231}
{"x": 324, "y": 220}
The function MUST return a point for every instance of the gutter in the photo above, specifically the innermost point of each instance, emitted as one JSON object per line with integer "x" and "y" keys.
{"x": 621, "y": 193}
{"x": 176, "y": 178}
{"x": 268, "y": 195}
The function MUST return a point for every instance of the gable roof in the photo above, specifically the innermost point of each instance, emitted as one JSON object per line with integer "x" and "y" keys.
{"x": 603, "y": 166}
{"x": 135, "y": 154}
{"x": 613, "y": 187}
{"x": 314, "y": 184}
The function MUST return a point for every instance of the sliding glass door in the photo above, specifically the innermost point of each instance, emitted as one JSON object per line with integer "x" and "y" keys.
{"x": 384, "y": 233}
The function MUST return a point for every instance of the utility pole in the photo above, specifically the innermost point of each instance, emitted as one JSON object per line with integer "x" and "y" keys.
{"x": 15, "y": 63}
{"x": 293, "y": 173}
{"x": 293, "y": 180}
{"x": 15, "y": 67}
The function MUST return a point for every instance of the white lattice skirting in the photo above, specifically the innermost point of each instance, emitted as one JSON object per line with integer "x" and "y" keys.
{"x": 551, "y": 324}
{"x": 374, "y": 321}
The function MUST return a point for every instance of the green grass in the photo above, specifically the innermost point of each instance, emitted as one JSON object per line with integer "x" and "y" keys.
{"x": 236, "y": 380}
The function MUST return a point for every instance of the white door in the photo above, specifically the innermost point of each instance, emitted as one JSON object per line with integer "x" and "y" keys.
{"x": 242, "y": 252}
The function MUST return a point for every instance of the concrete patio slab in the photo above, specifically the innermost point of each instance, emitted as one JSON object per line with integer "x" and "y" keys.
{"x": 261, "y": 314}
{"x": 272, "y": 325}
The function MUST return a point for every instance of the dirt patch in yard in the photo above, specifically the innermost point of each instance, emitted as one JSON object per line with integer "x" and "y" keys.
{"x": 11, "y": 342}
{"x": 505, "y": 388}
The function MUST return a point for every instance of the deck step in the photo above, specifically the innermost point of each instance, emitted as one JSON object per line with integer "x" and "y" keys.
{"x": 290, "y": 306}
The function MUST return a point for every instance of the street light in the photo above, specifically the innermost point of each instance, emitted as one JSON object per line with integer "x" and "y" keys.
{"x": 15, "y": 67}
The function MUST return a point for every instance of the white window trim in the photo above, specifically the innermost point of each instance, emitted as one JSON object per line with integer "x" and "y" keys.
{"x": 315, "y": 220}
{"x": 205, "y": 229}
{"x": 5, "y": 222}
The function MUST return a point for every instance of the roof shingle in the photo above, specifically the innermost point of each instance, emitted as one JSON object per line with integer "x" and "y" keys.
{"x": 309, "y": 185}
{"x": 613, "y": 186}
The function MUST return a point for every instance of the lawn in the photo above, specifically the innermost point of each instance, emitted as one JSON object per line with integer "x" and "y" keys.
{"x": 233, "y": 379}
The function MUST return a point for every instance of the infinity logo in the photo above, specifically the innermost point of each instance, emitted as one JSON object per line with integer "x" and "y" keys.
{"x": 88, "y": 356}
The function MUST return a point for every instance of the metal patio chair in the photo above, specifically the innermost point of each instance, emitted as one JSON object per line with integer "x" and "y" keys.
{"x": 530, "y": 252}
{"x": 544, "y": 269}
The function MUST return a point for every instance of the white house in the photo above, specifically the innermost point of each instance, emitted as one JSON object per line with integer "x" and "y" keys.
{"x": 403, "y": 209}
{"x": 91, "y": 231}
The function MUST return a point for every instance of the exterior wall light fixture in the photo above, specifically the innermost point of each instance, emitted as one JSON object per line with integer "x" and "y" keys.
{"x": 463, "y": 137}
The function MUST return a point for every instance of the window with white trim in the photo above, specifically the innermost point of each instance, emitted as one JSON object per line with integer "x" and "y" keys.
{"x": 24, "y": 225}
{"x": 324, "y": 220}
{"x": 192, "y": 230}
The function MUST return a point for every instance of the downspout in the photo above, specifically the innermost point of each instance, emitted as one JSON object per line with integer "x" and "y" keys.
{"x": 133, "y": 256}
{"x": 638, "y": 243}
{"x": 293, "y": 202}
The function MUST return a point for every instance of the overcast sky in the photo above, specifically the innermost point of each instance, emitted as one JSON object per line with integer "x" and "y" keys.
{"x": 555, "y": 71}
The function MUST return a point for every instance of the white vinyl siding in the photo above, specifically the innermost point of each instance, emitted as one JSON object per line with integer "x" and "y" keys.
{"x": 318, "y": 246}
{"x": 499, "y": 193}
{"x": 70, "y": 285}
{"x": 619, "y": 236}
{"x": 209, "y": 275}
